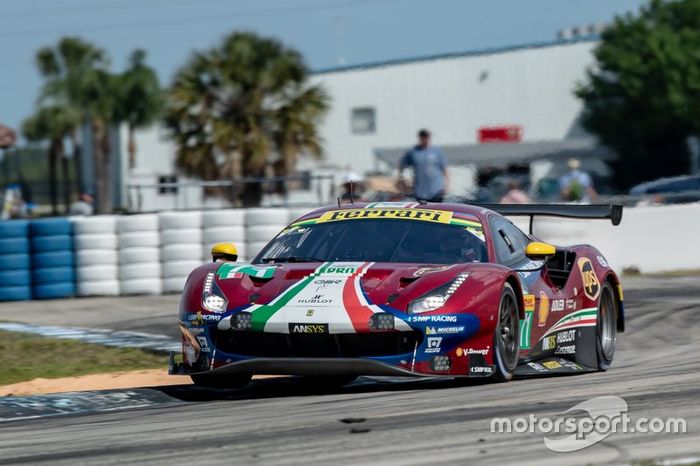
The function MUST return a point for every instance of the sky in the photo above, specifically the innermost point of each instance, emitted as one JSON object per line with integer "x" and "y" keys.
{"x": 327, "y": 32}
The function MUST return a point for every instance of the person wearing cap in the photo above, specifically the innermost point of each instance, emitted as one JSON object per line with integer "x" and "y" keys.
{"x": 429, "y": 169}
{"x": 353, "y": 186}
{"x": 576, "y": 185}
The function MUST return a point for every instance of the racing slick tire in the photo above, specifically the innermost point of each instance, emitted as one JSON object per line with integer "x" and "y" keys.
{"x": 506, "y": 336}
{"x": 137, "y": 223}
{"x": 606, "y": 327}
{"x": 221, "y": 381}
{"x": 98, "y": 225}
{"x": 169, "y": 221}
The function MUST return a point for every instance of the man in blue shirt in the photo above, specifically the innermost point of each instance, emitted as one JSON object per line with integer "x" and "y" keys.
{"x": 576, "y": 185}
{"x": 429, "y": 169}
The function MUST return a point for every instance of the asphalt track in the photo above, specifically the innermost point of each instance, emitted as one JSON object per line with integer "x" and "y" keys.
{"x": 282, "y": 421}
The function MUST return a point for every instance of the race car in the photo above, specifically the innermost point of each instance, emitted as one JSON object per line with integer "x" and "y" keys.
{"x": 403, "y": 289}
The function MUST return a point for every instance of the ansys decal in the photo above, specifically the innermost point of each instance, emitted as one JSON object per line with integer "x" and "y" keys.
{"x": 331, "y": 295}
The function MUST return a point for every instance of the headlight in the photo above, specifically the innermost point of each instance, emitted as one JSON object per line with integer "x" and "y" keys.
{"x": 213, "y": 298}
{"x": 438, "y": 297}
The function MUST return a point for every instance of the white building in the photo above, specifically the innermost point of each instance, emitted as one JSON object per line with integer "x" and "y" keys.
{"x": 376, "y": 110}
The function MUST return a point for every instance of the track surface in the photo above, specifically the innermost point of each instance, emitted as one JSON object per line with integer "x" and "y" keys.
{"x": 656, "y": 370}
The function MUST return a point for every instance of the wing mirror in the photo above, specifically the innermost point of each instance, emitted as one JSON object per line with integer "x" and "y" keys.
{"x": 225, "y": 252}
{"x": 539, "y": 251}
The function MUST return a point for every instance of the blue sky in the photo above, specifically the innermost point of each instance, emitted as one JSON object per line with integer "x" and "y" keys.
{"x": 327, "y": 32}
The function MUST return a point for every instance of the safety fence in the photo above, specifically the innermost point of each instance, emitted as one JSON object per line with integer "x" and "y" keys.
{"x": 111, "y": 255}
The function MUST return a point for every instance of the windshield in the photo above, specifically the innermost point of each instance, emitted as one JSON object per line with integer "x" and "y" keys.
{"x": 378, "y": 240}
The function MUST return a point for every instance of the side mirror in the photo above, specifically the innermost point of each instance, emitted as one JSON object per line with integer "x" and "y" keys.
{"x": 539, "y": 251}
{"x": 225, "y": 252}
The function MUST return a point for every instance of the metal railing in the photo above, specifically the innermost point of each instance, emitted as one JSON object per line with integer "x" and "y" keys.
{"x": 277, "y": 191}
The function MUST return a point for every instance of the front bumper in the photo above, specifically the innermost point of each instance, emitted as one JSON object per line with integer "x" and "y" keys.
{"x": 304, "y": 366}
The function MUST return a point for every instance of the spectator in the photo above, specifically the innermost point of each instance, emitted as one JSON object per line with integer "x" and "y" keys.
{"x": 515, "y": 195}
{"x": 83, "y": 206}
{"x": 353, "y": 186}
{"x": 429, "y": 169}
{"x": 576, "y": 185}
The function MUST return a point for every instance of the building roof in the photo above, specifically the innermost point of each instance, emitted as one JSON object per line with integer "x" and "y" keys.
{"x": 504, "y": 154}
{"x": 472, "y": 53}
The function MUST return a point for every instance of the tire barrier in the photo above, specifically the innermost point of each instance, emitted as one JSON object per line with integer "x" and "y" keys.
{"x": 52, "y": 261}
{"x": 130, "y": 255}
{"x": 223, "y": 226}
{"x": 261, "y": 225}
{"x": 96, "y": 255}
{"x": 15, "y": 272}
{"x": 180, "y": 247}
{"x": 139, "y": 255}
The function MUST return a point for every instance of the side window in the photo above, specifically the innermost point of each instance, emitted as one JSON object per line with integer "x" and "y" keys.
{"x": 509, "y": 242}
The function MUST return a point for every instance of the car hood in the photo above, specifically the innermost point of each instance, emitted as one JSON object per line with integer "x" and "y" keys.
{"x": 323, "y": 284}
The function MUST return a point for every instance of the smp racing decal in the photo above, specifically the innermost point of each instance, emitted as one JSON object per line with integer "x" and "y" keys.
{"x": 591, "y": 284}
{"x": 231, "y": 270}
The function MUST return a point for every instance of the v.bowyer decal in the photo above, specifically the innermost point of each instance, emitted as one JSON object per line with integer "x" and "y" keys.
{"x": 591, "y": 284}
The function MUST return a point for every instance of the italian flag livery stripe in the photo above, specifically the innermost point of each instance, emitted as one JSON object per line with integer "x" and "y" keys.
{"x": 583, "y": 318}
{"x": 331, "y": 295}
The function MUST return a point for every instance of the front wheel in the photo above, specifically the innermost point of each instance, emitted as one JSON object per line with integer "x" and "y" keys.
{"x": 505, "y": 339}
{"x": 606, "y": 327}
{"x": 221, "y": 381}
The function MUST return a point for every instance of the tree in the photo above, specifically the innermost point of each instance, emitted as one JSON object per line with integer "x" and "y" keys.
{"x": 75, "y": 74}
{"x": 53, "y": 124}
{"x": 643, "y": 97}
{"x": 140, "y": 99}
{"x": 242, "y": 108}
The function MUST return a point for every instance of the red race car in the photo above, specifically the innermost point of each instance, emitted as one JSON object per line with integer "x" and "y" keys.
{"x": 403, "y": 289}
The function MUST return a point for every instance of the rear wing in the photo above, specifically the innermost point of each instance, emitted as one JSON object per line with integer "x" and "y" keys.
{"x": 591, "y": 211}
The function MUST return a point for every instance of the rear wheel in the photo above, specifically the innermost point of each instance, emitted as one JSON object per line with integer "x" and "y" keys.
{"x": 505, "y": 339}
{"x": 221, "y": 381}
{"x": 606, "y": 327}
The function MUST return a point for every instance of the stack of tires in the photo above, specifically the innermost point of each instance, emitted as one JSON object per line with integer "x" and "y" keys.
{"x": 139, "y": 254}
{"x": 223, "y": 226}
{"x": 53, "y": 274}
{"x": 180, "y": 247}
{"x": 15, "y": 276}
{"x": 261, "y": 225}
{"x": 96, "y": 255}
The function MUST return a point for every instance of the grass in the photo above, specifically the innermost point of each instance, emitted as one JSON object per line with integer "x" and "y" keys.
{"x": 26, "y": 357}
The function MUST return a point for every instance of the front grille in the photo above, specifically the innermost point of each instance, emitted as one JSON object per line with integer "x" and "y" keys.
{"x": 343, "y": 345}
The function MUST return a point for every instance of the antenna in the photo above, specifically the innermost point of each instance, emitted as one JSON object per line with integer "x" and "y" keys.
{"x": 338, "y": 201}
{"x": 352, "y": 194}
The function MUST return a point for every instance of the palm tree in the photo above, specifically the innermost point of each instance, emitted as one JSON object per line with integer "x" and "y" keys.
{"x": 53, "y": 124}
{"x": 140, "y": 99}
{"x": 77, "y": 79}
{"x": 236, "y": 107}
